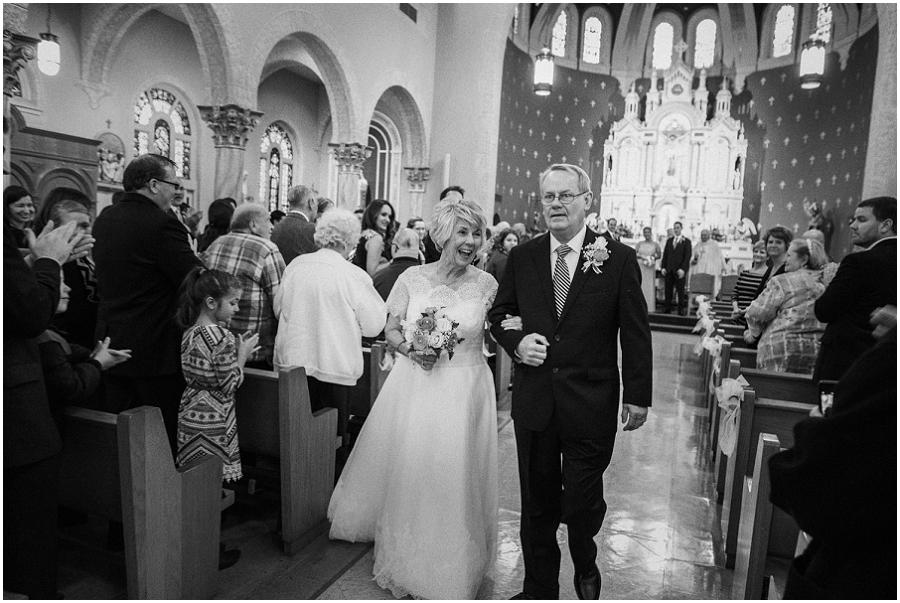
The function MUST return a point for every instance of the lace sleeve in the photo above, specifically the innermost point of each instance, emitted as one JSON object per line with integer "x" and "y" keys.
{"x": 489, "y": 289}
{"x": 398, "y": 299}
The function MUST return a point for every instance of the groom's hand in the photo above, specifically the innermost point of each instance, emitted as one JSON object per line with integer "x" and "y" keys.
{"x": 633, "y": 416}
{"x": 532, "y": 350}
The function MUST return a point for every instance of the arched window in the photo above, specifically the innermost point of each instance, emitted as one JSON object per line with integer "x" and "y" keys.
{"x": 161, "y": 126}
{"x": 558, "y": 43}
{"x": 783, "y": 40}
{"x": 593, "y": 30}
{"x": 662, "y": 46}
{"x": 824, "y": 18}
{"x": 276, "y": 167}
{"x": 515, "y": 25}
{"x": 383, "y": 158}
{"x": 705, "y": 44}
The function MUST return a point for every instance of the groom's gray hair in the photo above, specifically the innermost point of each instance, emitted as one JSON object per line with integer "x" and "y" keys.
{"x": 584, "y": 181}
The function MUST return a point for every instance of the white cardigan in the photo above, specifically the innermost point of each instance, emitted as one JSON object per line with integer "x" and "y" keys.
{"x": 324, "y": 306}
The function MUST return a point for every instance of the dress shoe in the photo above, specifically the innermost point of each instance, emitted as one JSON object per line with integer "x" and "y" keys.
{"x": 588, "y": 587}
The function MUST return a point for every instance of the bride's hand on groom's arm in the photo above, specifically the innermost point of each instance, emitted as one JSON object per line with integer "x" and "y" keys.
{"x": 532, "y": 349}
{"x": 512, "y": 323}
{"x": 633, "y": 416}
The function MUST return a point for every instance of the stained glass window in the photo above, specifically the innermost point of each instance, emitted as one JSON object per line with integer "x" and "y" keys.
{"x": 516, "y": 21}
{"x": 705, "y": 44}
{"x": 276, "y": 157}
{"x": 592, "y": 33}
{"x": 823, "y": 22}
{"x": 662, "y": 46}
{"x": 783, "y": 40}
{"x": 161, "y": 118}
{"x": 558, "y": 43}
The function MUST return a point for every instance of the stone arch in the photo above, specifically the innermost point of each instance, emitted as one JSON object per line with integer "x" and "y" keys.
{"x": 690, "y": 37}
{"x": 106, "y": 27}
{"x": 542, "y": 32}
{"x": 298, "y": 25}
{"x": 663, "y": 16}
{"x": 766, "y": 60}
{"x": 740, "y": 49}
{"x": 606, "y": 35}
{"x": 401, "y": 108}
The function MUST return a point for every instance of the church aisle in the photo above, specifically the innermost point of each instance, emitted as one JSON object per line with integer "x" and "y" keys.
{"x": 660, "y": 539}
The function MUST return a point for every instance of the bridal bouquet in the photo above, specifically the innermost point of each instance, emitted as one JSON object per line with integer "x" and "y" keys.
{"x": 432, "y": 332}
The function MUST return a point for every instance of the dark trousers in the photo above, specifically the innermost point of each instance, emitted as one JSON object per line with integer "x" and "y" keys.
{"x": 570, "y": 492}
{"x": 30, "y": 498}
{"x": 162, "y": 391}
{"x": 675, "y": 285}
{"x": 330, "y": 395}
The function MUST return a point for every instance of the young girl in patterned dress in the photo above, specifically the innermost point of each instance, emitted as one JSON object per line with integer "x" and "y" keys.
{"x": 212, "y": 360}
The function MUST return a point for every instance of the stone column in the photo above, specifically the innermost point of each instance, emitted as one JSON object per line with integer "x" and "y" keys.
{"x": 18, "y": 49}
{"x": 880, "y": 176}
{"x": 349, "y": 157}
{"x": 231, "y": 126}
{"x": 417, "y": 177}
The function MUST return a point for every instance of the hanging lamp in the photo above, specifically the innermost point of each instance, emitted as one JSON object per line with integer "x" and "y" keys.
{"x": 543, "y": 73}
{"x": 48, "y": 50}
{"x": 812, "y": 63}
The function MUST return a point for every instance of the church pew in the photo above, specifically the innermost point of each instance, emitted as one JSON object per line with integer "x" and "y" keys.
{"x": 750, "y": 580}
{"x": 782, "y": 386}
{"x": 275, "y": 419}
{"x": 746, "y": 356}
{"x": 363, "y": 394}
{"x": 377, "y": 375}
{"x": 729, "y": 370}
{"x": 758, "y": 415}
{"x": 120, "y": 467}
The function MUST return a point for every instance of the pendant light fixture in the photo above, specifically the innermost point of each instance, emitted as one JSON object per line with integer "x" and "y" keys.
{"x": 812, "y": 63}
{"x": 543, "y": 73}
{"x": 48, "y": 50}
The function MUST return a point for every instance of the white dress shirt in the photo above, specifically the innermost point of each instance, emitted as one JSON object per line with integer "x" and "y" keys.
{"x": 576, "y": 243}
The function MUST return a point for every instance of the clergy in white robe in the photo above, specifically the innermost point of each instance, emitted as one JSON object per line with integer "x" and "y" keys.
{"x": 708, "y": 259}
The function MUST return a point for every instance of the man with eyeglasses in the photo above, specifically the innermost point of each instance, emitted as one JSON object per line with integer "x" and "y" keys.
{"x": 577, "y": 296}
{"x": 142, "y": 255}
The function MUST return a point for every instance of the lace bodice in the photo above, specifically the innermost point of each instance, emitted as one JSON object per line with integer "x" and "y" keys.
{"x": 465, "y": 301}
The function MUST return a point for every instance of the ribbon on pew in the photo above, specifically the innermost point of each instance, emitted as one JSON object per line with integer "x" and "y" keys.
{"x": 714, "y": 346}
{"x": 729, "y": 396}
{"x": 703, "y": 306}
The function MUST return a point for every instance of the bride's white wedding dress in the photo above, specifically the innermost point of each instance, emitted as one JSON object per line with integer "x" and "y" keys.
{"x": 422, "y": 478}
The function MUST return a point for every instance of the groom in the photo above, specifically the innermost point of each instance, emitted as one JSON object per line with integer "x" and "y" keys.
{"x": 576, "y": 292}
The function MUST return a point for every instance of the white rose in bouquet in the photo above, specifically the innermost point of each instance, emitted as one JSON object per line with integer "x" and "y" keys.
{"x": 435, "y": 340}
{"x": 444, "y": 325}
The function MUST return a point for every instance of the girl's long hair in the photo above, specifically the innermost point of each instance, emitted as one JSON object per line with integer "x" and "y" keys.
{"x": 199, "y": 284}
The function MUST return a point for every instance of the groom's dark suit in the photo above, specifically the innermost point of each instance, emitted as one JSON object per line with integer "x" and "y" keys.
{"x": 570, "y": 404}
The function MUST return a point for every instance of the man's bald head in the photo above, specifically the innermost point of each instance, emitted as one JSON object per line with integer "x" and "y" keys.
{"x": 406, "y": 243}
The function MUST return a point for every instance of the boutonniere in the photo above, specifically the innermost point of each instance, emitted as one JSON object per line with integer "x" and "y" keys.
{"x": 595, "y": 254}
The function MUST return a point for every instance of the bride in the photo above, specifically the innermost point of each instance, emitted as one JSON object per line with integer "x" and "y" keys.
{"x": 422, "y": 479}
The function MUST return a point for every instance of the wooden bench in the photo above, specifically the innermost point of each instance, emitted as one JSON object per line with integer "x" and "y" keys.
{"x": 746, "y": 356}
{"x": 275, "y": 419}
{"x": 363, "y": 394}
{"x": 751, "y": 580}
{"x": 758, "y": 415}
{"x": 794, "y": 387}
{"x": 120, "y": 467}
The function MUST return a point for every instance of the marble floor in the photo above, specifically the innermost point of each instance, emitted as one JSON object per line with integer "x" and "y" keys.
{"x": 660, "y": 539}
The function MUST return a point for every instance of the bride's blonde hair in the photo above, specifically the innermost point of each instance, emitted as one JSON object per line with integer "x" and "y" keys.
{"x": 448, "y": 213}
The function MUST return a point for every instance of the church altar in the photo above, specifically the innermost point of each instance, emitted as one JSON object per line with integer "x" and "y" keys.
{"x": 675, "y": 164}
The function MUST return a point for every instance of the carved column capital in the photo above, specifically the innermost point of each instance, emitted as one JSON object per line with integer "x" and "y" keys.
{"x": 417, "y": 177}
{"x": 17, "y": 50}
{"x": 231, "y": 124}
{"x": 350, "y": 156}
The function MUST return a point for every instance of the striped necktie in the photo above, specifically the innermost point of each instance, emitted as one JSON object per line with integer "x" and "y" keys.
{"x": 561, "y": 278}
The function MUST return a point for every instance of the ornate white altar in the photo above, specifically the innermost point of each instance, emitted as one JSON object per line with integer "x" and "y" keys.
{"x": 675, "y": 164}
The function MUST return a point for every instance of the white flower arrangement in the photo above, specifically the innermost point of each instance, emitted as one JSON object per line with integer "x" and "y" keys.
{"x": 595, "y": 254}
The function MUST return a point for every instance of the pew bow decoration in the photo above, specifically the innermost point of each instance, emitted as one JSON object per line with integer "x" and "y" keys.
{"x": 714, "y": 346}
{"x": 729, "y": 396}
{"x": 703, "y": 306}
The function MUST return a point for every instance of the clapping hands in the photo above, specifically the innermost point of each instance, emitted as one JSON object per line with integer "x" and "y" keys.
{"x": 109, "y": 358}
{"x": 247, "y": 345}
{"x": 61, "y": 244}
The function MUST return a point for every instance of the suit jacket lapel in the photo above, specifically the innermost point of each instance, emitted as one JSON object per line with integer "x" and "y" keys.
{"x": 541, "y": 259}
{"x": 581, "y": 275}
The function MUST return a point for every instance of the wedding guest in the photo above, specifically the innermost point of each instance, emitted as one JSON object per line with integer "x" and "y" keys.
{"x": 747, "y": 287}
{"x": 294, "y": 235}
{"x": 324, "y": 204}
{"x": 777, "y": 239}
{"x": 405, "y": 252}
{"x": 612, "y": 227}
{"x": 503, "y": 244}
{"x": 830, "y": 268}
{"x": 247, "y": 253}
{"x": 782, "y": 320}
{"x": 276, "y": 216}
{"x": 218, "y": 218}
{"x": 325, "y": 305}
{"x": 648, "y": 252}
{"x": 79, "y": 321}
{"x": 675, "y": 263}
{"x": 373, "y": 251}
{"x": 18, "y": 212}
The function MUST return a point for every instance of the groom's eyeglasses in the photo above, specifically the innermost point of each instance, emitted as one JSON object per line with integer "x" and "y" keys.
{"x": 564, "y": 198}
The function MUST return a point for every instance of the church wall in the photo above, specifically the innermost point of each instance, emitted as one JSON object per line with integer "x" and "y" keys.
{"x": 517, "y": 173}
{"x": 294, "y": 100}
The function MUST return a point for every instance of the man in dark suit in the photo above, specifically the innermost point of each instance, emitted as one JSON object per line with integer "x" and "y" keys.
{"x": 578, "y": 294}
{"x": 294, "y": 233}
{"x": 31, "y": 442}
{"x": 404, "y": 255}
{"x": 864, "y": 281}
{"x": 676, "y": 260}
{"x": 142, "y": 255}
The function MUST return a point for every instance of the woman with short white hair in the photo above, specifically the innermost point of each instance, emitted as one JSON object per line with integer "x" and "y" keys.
{"x": 325, "y": 306}
{"x": 422, "y": 479}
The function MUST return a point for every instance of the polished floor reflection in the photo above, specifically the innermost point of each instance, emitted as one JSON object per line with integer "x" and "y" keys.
{"x": 660, "y": 539}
